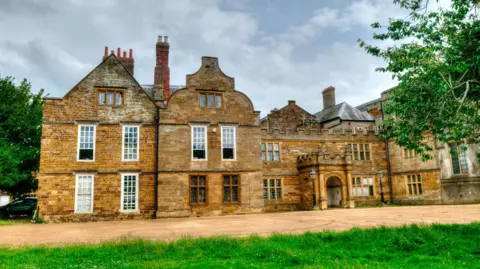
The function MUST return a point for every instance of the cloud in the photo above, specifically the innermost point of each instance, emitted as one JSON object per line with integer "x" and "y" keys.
{"x": 57, "y": 48}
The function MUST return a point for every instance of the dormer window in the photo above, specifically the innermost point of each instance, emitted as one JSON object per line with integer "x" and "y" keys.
{"x": 110, "y": 97}
{"x": 210, "y": 100}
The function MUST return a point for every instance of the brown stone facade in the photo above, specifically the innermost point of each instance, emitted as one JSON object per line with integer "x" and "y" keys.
{"x": 204, "y": 150}
{"x": 59, "y": 165}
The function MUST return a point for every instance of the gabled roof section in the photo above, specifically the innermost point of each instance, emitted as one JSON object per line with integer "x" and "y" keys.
{"x": 290, "y": 103}
{"x": 105, "y": 60}
{"x": 344, "y": 112}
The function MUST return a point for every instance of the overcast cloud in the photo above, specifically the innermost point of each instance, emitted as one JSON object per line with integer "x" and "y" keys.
{"x": 276, "y": 50}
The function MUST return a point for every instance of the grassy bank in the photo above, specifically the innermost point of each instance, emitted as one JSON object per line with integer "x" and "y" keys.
{"x": 436, "y": 246}
{"x": 6, "y": 222}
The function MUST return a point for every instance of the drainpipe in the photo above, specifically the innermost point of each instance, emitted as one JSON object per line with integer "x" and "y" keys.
{"x": 155, "y": 190}
{"x": 387, "y": 150}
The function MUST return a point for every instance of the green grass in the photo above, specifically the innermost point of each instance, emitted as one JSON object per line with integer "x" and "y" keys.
{"x": 435, "y": 246}
{"x": 7, "y": 222}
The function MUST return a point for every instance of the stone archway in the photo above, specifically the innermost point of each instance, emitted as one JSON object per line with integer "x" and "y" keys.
{"x": 334, "y": 191}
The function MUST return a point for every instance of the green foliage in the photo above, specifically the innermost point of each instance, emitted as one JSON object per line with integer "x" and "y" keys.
{"x": 20, "y": 135}
{"x": 435, "y": 246}
{"x": 436, "y": 60}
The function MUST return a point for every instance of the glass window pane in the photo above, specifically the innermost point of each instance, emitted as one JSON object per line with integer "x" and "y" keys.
{"x": 218, "y": 100}
{"x": 110, "y": 98}
{"x": 410, "y": 189}
{"x": 277, "y": 156}
{"x": 203, "y": 100}
{"x": 265, "y": 182}
{"x": 269, "y": 146}
{"x": 193, "y": 180}
{"x": 226, "y": 194}
{"x": 262, "y": 146}
{"x": 279, "y": 193}
{"x": 203, "y": 195}
{"x": 279, "y": 182}
{"x": 275, "y": 146}
{"x": 202, "y": 181}
{"x": 226, "y": 180}
{"x": 210, "y": 100}
{"x": 272, "y": 182}
{"x": 414, "y": 188}
{"x": 420, "y": 191}
{"x": 272, "y": 193}
{"x": 234, "y": 194}
{"x": 118, "y": 96}
{"x": 263, "y": 156}
{"x": 270, "y": 156}
{"x": 234, "y": 180}
{"x": 101, "y": 98}
{"x": 265, "y": 193}
{"x": 193, "y": 195}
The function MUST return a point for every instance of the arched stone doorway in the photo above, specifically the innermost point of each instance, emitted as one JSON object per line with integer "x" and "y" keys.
{"x": 334, "y": 191}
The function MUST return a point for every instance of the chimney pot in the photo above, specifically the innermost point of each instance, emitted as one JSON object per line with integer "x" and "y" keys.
{"x": 124, "y": 54}
{"x": 165, "y": 39}
{"x": 106, "y": 50}
{"x": 131, "y": 54}
{"x": 291, "y": 102}
{"x": 118, "y": 52}
{"x": 159, "y": 38}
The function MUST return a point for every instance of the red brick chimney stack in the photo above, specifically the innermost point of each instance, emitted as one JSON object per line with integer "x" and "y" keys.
{"x": 162, "y": 70}
{"x": 128, "y": 62}
{"x": 328, "y": 97}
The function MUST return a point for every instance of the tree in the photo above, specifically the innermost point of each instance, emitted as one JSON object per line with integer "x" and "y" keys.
{"x": 20, "y": 135}
{"x": 436, "y": 60}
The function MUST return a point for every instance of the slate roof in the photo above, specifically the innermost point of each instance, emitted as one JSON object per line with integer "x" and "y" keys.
{"x": 344, "y": 112}
{"x": 365, "y": 106}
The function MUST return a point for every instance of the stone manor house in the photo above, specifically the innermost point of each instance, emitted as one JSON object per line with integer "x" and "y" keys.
{"x": 113, "y": 149}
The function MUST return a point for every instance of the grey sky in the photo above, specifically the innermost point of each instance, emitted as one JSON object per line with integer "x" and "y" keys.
{"x": 275, "y": 50}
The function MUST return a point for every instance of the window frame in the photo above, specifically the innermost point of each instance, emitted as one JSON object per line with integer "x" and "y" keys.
{"x": 418, "y": 182}
{"x": 459, "y": 157}
{"x": 192, "y": 142}
{"x": 94, "y": 141}
{"x": 230, "y": 186}
{"x": 409, "y": 153}
{"x": 265, "y": 149}
{"x": 122, "y": 195}
{"x": 234, "y": 142}
{"x": 76, "y": 194}
{"x": 362, "y": 185}
{"x": 206, "y": 94}
{"x": 197, "y": 188}
{"x": 123, "y": 143}
{"x": 355, "y": 149}
{"x": 275, "y": 186}
{"x": 105, "y": 91}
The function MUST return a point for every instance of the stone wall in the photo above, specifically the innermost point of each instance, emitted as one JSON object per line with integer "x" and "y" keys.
{"x": 56, "y": 198}
{"x": 175, "y": 154}
{"x": 59, "y": 147}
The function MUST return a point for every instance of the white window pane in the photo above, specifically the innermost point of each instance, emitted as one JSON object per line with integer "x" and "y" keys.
{"x": 84, "y": 193}
{"x": 110, "y": 98}
{"x": 130, "y": 143}
{"x": 118, "y": 100}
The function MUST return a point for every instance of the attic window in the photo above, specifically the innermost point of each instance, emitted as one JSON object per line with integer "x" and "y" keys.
{"x": 110, "y": 97}
{"x": 210, "y": 100}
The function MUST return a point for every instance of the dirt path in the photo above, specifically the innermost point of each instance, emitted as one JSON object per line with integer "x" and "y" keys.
{"x": 237, "y": 225}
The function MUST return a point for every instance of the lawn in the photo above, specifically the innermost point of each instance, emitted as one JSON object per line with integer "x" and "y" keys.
{"x": 6, "y": 222}
{"x": 435, "y": 246}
